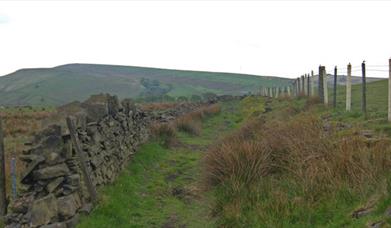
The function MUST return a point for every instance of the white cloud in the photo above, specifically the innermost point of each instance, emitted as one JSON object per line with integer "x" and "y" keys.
{"x": 266, "y": 38}
{"x": 3, "y": 19}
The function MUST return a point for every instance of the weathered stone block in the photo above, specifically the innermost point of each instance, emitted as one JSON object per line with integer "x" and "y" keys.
{"x": 54, "y": 184}
{"x": 43, "y": 210}
{"x": 51, "y": 172}
{"x": 35, "y": 160}
{"x": 68, "y": 205}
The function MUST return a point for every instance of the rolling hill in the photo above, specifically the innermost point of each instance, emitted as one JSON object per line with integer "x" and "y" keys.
{"x": 66, "y": 83}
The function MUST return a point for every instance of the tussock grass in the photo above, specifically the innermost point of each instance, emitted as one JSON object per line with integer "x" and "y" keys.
{"x": 191, "y": 123}
{"x": 290, "y": 167}
{"x": 165, "y": 132}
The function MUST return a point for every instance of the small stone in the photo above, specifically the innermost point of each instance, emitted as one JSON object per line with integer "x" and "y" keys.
{"x": 86, "y": 209}
{"x": 68, "y": 205}
{"x": 54, "y": 184}
{"x": 72, "y": 222}
{"x": 35, "y": 161}
{"x": 73, "y": 180}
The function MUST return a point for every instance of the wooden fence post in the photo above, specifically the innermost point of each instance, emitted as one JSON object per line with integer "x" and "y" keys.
{"x": 389, "y": 90}
{"x": 288, "y": 90}
{"x": 302, "y": 85}
{"x": 308, "y": 85}
{"x": 86, "y": 176}
{"x": 335, "y": 88}
{"x": 349, "y": 88}
{"x": 3, "y": 196}
{"x": 320, "y": 84}
{"x": 364, "y": 91}
{"x": 312, "y": 83}
{"x": 325, "y": 88}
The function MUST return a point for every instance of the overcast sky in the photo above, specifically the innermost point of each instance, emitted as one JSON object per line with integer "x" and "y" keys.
{"x": 255, "y": 37}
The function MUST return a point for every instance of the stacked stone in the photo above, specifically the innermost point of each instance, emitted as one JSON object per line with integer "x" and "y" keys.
{"x": 109, "y": 133}
{"x": 52, "y": 183}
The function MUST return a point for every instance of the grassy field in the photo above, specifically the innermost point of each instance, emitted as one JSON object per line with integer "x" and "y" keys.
{"x": 279, "y": 171}
{"x": 246, "y": 168}
{"x": 299, "y": 165}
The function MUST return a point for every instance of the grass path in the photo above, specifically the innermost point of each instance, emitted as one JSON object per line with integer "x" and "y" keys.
{"x": 161, "y": 187}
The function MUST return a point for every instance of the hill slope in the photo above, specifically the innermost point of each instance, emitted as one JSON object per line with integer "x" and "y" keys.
{"x": 66, "y": 83}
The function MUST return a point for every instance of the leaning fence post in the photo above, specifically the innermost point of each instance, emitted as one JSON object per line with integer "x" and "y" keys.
{"x": 335, "y": 88}
{"x": 72, "y": 131}
{"x": 389, "y": 90}
{"x": 364, "y": 91}
{"x": 349, "y": 88}
{"x": 3, "y": 196}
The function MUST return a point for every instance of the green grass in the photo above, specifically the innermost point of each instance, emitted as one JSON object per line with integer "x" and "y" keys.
{"x": 278, "y": 201}
{"x": 142, "y": 196}
{"x": 377, "y": 104}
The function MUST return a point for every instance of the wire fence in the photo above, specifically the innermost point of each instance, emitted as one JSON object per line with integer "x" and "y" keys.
{"x": 344, "y": 87}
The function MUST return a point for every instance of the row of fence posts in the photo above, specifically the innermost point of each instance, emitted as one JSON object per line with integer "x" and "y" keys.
{"x": 305, "y": 86}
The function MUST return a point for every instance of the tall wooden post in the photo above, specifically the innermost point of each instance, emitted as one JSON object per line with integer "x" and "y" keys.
{"x": 335, "y": 88}
{"x": 320, "y": 84}
{"x": 364, "y": 91}
{"x": 389, "y": 90}
{"x": 349, "y": 88}
{"x": 288, "y": 90}
{"x": 302, "y": 85}
{"x": 86, "y": 176}
{"x": 312, "y": 83}
{"x": 308, "y": 85}
{"x": 3, "y": 196}
{"x": 325, "y": 89}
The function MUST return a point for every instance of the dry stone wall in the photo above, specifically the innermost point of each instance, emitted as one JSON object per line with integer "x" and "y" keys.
{"x": 109, "y": 133}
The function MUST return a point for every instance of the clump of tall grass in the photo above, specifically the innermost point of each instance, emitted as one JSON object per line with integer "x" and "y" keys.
{"x": 285, "y": 166}
{"x": 300, "y": 148}
{"x": 191, "y": 122}
{"x": 189, "y": 125}
{"x": 165, "y": 132}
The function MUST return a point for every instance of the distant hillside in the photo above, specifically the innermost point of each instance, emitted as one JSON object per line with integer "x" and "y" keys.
{"x": 66, "y": 83}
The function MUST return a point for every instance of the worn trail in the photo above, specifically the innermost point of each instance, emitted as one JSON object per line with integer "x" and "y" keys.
{"x": 161, "y": 187}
